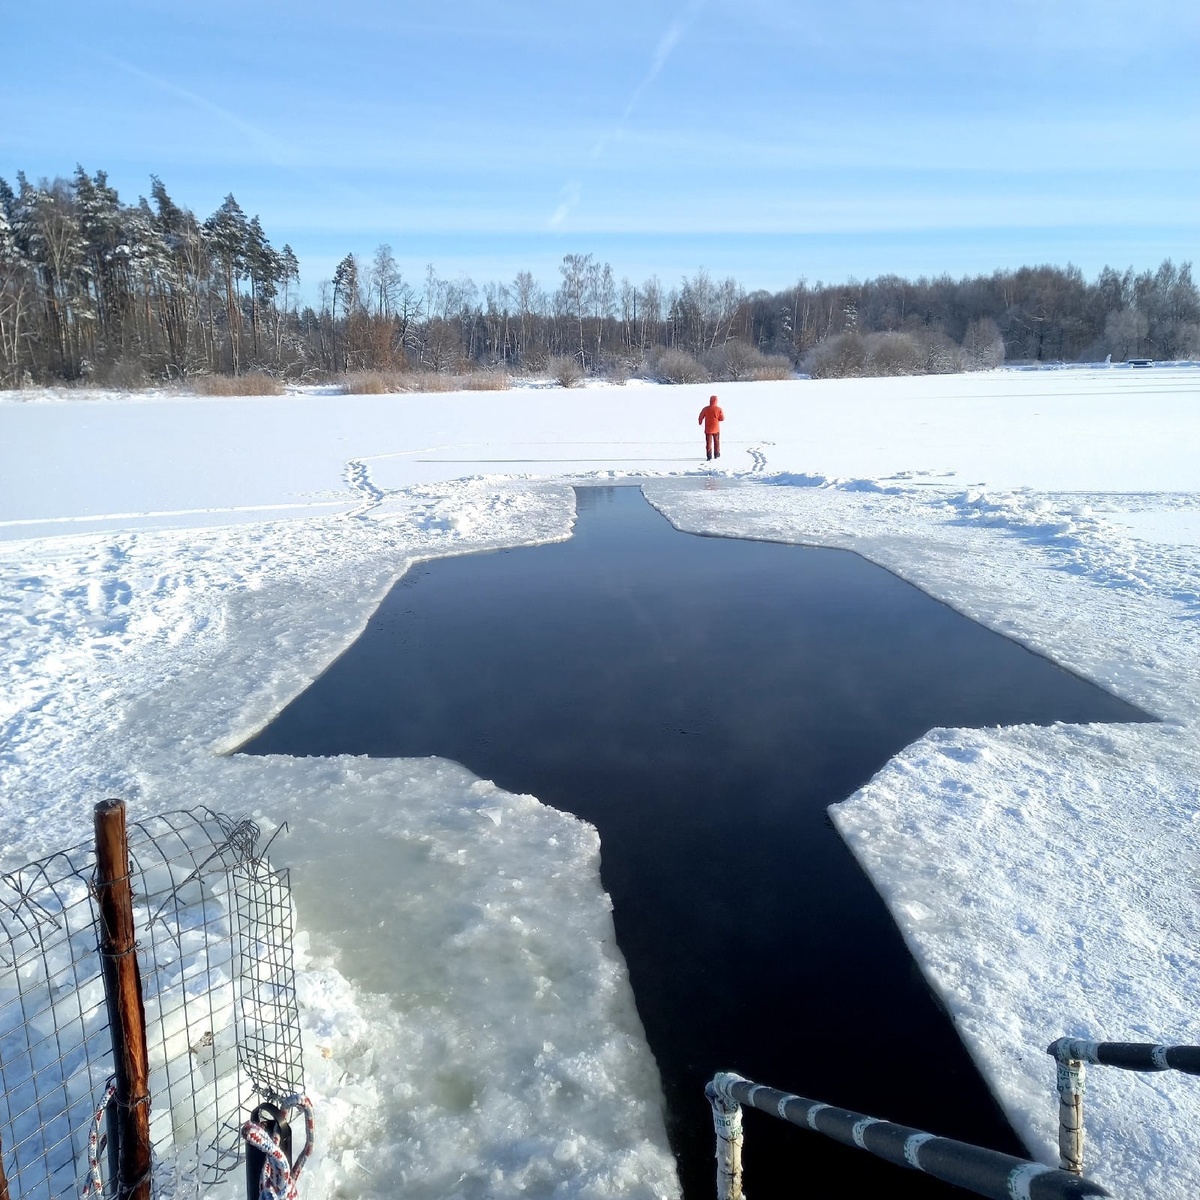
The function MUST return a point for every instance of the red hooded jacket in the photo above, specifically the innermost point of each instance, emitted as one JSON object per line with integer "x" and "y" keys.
{"x": 712, "y": 416}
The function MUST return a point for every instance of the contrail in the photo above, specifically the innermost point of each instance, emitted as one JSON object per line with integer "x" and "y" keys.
{"x": 671, "y": 38}
{"x": 278, "y": 153}
{"x": 666, "y": 44}
{"x": 674, "y": 33}
{"x": 269, "y": 145}
{"x": 572, "y": 191}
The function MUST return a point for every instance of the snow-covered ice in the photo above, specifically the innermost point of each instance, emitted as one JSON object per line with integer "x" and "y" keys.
{"x": 175, "y": 569}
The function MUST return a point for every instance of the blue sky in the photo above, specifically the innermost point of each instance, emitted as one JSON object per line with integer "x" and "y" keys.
{"x": 759, "y": 138}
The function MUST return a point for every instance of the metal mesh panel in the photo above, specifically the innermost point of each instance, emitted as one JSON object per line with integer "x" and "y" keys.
{"x": 214, "y": 926}
{"x": 55, "y": 1048}
{"x": 269, "y": 1032}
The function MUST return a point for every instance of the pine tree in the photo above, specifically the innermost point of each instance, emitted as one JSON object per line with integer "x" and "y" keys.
{"x": 289, "y": 273}
{"x": 15, "y": 288}
{"x": 227, "y": 233}
{"x": 47, "y": 231}
{"x": 179, "y": 279}
{"x": 264, "y": 267}
{"x": 345, "y": 286}
{"x": 103, "y": 224}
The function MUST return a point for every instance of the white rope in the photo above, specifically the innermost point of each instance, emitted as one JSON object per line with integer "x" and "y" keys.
{"x": 810, "y": 1117}
{"x": 1082, "y": 1049}
{"x": 912, "y": 1148}
{"x": 1020, "y": 1180}
{"x": 860, "y": 1129}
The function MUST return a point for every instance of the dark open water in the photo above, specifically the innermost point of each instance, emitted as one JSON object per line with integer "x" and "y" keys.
{"x": 702, "y": 701}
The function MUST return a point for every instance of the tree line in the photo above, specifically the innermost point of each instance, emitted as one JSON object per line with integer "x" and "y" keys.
{"x": 92, "y": 288}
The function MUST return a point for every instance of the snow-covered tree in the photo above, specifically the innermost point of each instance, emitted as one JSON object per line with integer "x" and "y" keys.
{"x": 983, "y": 345}
{"x": 15, "y": 293}
{"x": 227, "y": 234}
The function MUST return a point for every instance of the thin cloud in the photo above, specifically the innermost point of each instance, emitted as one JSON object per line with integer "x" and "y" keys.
{"x": 666, "y": 44}
{"x": 270, "y": 146}
{"x": 572, "y": 193}
{"x": 671, "y": 37}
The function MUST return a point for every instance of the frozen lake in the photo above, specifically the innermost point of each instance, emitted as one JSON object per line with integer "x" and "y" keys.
{"x": 701, "y": 701}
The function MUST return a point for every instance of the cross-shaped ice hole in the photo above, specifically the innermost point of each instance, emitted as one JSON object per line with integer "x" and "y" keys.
{"x": 702, "y": 701}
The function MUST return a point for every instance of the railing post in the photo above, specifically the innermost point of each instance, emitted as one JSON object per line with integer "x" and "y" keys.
{"x": 123, "y": 991}
{"x": 1070, "y": 1115}
{"x": 727, "y": 1122}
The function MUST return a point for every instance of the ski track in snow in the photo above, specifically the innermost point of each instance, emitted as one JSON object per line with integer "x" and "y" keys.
{"x": 358, "y": 476}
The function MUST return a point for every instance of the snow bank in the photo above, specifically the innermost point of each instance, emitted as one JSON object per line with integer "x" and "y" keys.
{"x": 1043, "y": 878}
{"x": 507, "y": 1053}
{"x": 140, "y": 638}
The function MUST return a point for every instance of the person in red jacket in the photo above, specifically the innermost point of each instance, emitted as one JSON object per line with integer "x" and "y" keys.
{"x": 711, "y": 417}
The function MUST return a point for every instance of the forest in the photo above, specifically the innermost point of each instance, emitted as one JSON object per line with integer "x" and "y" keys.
{"x": 94, "y": 290}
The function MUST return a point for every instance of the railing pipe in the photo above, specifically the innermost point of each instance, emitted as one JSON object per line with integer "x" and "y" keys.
{"x": 1071, "y": 1055}
{"x": 987, "y": 1173}
{"x": 1129, "y": 1056}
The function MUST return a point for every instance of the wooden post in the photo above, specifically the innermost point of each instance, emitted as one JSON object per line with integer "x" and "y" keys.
{"x": 123, "y": 991}
{"x": 1070, "y": 1115}
{"x": 3, "y": 1177}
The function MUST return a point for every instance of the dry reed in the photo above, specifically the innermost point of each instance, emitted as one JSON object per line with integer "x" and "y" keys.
{"x": 257, "y": 383}
{"x": 377, "y": 383}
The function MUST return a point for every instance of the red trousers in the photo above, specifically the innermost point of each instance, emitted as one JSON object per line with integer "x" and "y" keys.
{"x": 712, "y": 444}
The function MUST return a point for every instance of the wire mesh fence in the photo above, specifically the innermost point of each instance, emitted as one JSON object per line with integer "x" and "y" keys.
{"x": 214, "y": 927}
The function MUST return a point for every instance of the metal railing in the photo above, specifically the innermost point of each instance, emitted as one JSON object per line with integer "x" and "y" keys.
{"x": 984, "y": 1172}
{"x": 1072, "y": 1053}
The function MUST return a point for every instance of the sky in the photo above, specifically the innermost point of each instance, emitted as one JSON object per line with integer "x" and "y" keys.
{"x": 770, "y": 140}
